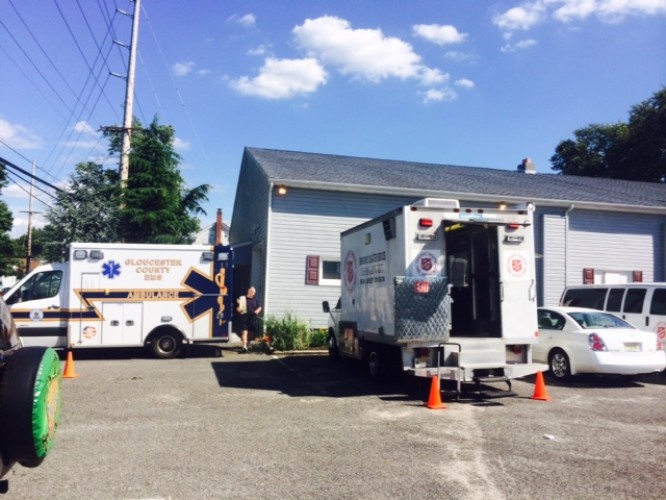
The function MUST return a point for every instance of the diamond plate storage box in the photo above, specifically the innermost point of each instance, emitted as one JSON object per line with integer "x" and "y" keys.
{"x": 422, "y": 309}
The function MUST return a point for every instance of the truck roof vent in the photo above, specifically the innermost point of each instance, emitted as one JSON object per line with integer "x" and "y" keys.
{"x": 436, "y": 203}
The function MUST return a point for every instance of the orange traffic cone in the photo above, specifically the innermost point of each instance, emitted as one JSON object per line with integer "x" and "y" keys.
{"x": 540, "y": 388}
{"x": 69, "y": 367}
{"x": 435, "y": 399}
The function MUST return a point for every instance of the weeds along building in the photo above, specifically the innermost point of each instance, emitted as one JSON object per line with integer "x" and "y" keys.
{"x": 290, "y": 208}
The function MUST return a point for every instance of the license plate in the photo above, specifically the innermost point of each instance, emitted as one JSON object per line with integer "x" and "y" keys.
{"x": 635, "y": 347}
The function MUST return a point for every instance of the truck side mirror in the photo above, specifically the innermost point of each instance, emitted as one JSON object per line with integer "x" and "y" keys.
{"x": 325, "y": 306}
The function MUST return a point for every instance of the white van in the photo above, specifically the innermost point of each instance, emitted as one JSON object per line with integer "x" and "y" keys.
{"x": 641, "y": 304}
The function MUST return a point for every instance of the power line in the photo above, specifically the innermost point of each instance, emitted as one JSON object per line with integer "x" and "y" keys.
{"x": 9, "y": 164}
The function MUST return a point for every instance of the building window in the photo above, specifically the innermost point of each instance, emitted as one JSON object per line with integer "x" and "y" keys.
{"x": 322, "y": 271}
{"x": 330, "y": 271}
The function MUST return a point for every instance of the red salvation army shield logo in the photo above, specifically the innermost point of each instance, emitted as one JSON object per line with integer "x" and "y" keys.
{"x": 350, "y": 270}
{"x": 517, "y": 265}
{"x": 426, "y": 263}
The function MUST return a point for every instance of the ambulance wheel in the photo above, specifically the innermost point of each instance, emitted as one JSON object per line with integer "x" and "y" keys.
{"x": 166, "y": 344}
{"x": 29, "y": 405}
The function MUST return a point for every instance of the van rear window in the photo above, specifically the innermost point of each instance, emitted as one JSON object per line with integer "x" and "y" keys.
{"x": 633, "y": 301}
{"x": 585, "y": 297}
{"x": 614, "y": 303}
{"x": 658, "y": 305}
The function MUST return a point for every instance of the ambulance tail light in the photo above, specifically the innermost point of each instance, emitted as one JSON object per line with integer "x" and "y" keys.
{"x": 423, "y": 222}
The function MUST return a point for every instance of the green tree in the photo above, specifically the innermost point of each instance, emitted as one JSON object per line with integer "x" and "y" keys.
{"x": 635, "y": 150}
{"x": 7, "y": 249}
{"x": 86, "y": 211}
{"x": 157, "y": 207}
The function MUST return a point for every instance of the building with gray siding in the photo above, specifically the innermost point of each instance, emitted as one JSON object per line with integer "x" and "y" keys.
{"x": 290, "y": 208}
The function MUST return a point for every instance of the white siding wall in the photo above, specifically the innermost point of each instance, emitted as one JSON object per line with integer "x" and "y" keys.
{"x": 614, "y": 242}
{"x": 308, "y": 222}
{"x": 554, "y": 258}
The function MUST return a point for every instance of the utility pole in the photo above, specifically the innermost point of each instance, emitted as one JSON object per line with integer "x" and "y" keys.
{"x": 28, "y": 257}
{"x": 129, "y": 97}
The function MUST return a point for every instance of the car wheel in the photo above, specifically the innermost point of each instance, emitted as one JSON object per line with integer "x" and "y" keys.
{"x": 559, "y": 364}
{"x": 29, "y": 405}
{"x": 166, "y": 345}
{"x": 333, "y": 351}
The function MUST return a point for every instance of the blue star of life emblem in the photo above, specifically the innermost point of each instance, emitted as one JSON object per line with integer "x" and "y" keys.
{"x": 111, "y": 269}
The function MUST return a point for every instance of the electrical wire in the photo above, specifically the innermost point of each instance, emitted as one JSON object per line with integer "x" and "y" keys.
{"x": 180, "y": 97}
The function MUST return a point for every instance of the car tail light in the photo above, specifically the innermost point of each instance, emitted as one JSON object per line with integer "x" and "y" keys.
{"x": 596, "y": 344}
{"x": 660, "y": 344}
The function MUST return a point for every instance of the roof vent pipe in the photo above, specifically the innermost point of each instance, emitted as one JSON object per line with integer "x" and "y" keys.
{"x": 527, "y": 167}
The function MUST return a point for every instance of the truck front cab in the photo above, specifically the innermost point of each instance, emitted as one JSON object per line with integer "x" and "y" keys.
{"x": 38, "y": 304}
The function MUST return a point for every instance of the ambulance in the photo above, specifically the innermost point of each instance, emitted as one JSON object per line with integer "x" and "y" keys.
{"x": 114, "y": 295}
{"x": 436, "y": 289}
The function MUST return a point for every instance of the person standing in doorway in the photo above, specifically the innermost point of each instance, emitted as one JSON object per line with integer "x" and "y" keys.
{"x": 248, "y": 309}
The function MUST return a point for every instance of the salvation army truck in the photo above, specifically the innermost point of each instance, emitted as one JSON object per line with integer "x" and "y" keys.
{"x": 111, "y": 295}
{"x": 436, "y": 289}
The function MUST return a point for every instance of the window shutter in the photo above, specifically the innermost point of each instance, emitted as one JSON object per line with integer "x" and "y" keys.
{"x": 312, "y": 270}
{"x": 637, "y": 276}
{"x": 588, "y": 276}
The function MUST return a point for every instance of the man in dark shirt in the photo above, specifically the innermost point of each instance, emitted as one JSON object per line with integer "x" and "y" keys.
{"x": 248, "y": 310}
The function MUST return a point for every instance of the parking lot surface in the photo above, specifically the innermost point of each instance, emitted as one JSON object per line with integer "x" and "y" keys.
{"x": 218, "y": 424}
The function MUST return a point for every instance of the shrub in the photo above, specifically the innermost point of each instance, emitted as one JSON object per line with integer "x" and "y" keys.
{"x": 319, "y": 337}
{"x": 287, "y": 333}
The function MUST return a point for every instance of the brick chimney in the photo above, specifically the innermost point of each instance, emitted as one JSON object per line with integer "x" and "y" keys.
{"x": 218, "y": 227}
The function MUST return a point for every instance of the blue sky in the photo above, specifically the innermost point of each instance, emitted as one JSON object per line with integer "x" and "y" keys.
{"x": 477, "y": 82}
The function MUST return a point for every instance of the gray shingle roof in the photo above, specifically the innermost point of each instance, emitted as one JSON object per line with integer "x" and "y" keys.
{"x": 286, "y": 166}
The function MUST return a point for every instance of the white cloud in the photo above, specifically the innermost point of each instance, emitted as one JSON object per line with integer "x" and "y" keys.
{"x": 530, "y": 13}
{"x": 83, "y": 127}
{"x": 608, "y": 10}
{"x": 465, "y": 83}
{"x": 437, "y": 95}
{"x": 430, "y": 77}
{"x": 439, "y": 34}
{"x": 283, "y": 79}
{"x": 261, "y": 50}
{"x": 181, "y": 145}
{"x": 362, "y": 53}
{"x": 520, "y": 45}
{"x": 521, "y": 18}
{"x": 18, "y": 136}
{"x": 182, "y": 68}
{"x": 246, "y": 21}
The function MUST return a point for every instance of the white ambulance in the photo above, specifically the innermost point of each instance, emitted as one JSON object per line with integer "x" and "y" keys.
{"x": 112, "y": 295}
{"x": 436, "y": 289}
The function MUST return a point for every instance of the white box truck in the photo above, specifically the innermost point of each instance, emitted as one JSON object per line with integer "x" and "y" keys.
{"x": 435, "y": 289}
{"x": 112, "y": 295}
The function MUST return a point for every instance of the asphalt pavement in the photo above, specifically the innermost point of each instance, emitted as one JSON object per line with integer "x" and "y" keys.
{"x": 219, "y": 424}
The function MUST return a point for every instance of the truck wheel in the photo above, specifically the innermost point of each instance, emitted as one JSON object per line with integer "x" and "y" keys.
{"x": 377, "y": 365}
{"x": 333, "y": 350}
{"x": 29, "y": 405}
{"x": 166, "y": 344}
